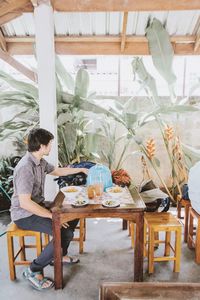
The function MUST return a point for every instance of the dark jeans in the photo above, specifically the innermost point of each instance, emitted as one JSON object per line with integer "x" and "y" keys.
{"x": 44, "y": 225}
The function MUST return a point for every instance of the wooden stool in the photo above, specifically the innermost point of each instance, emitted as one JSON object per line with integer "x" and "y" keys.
{"x": 186, "y": 204}
{"x": 82, "y": 234}
{"x": 154, "y": 223}
{"x": 194, "y": 243}
{"x": 14, "y": 231}
{"x": 81, "y": 238}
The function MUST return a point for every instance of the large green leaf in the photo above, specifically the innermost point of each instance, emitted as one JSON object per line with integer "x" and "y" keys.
{"x": 148, "y": 81}
{"x": 65, "y": 77}
{"x": 161, "y": 50}
{"x": 82, "y": 83}
{"x": 20, "y": 85}
{"x": 192, "y": 154}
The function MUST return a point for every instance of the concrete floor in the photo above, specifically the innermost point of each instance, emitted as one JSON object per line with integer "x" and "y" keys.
{"x": 107, "y": 257}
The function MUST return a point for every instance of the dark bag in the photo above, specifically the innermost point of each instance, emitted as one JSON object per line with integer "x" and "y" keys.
{"x": 160, "y": 204}
{"x": 75, "y": 179}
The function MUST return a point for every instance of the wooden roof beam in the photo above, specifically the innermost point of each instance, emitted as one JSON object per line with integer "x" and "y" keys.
{"x": 100, "y": 48}
{"x": 101, "y": 38}
{"x": 124, "y": 5}
{"x": 13, "y": 5}
{"x": 197, "y": 40}
{"x": 123, "y": 36}
{"x": 5, "y": 56}
{"x": 2, "y": 41}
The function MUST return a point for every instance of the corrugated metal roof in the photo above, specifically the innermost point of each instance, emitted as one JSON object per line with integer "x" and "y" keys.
{"x": 107, "y": 23}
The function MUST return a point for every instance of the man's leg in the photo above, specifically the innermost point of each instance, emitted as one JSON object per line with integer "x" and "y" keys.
{"x": 43, "y": 225}
{"x": 67, "y": 235}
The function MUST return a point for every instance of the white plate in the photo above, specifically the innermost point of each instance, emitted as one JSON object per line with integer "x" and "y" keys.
{"x": 111, "y": 203}
{"x": 76, "y": 202}
{"x": 113, "y": 194}
{"x": 71, "y": 195}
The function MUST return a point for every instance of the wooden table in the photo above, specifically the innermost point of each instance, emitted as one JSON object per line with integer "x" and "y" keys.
{"x": 130, "y": 211}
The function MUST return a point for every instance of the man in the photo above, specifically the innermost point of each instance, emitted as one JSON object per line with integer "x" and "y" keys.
{"x": 27, "y": 210}
{"x": 194, "y": 187}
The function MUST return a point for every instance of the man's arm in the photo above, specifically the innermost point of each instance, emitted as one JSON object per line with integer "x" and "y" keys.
{"x": 28, "y": 204}
{"x": 68, "y": 171}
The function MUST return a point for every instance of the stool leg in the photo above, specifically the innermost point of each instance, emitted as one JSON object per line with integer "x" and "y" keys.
{"x": 145, "y": 240}
{"x": 38, "y": 237}
{"x": 177, "y": 250}
{"x": 46, "y": 239}
{"x": 151, "y": 250}
{"x": 131, "y": 228}
{"x": 186, "y": 223}
{"x": 84, "y": 230}
{"x": 190, "y": 232}
{"x": 81, "y": 235}
{"x": 179, "y": 209}
{"x": 11, "y": 256}
{"x": 22, "y": 246}
{"x": 197, "y": 244}
{"x": 167, "y": 243}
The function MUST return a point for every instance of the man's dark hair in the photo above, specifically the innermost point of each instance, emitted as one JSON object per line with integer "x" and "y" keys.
{"x": 38, "y": 137}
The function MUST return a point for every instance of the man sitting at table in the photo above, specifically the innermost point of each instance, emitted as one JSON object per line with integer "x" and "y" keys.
{"x": 27, "y": 210}
{"x": 194, "y": 187}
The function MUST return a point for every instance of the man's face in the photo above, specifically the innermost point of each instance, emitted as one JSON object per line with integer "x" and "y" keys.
{"x": 46, "y": 148}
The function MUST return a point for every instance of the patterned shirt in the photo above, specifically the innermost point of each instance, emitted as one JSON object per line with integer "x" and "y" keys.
{"x": 29, "y": 178}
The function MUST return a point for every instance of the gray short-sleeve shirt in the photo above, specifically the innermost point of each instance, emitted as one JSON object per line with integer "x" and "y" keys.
{"x": 29, "y": 178}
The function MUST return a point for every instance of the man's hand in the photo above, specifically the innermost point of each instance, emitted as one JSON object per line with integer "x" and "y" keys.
{"x": 65, "y": 225}
{"x": 84, "y": 170}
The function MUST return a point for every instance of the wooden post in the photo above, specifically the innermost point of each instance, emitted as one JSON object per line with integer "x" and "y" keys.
{"x": 58, "y": 274}
{"x": 45, "y": 51}
{"x": 139, "y": 247}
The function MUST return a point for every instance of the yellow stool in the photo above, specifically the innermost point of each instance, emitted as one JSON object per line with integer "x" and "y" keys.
{"x": 81, "y": 238}
{"x": 186, "y": 204}
{"x": 14, "y": 231}
{"x": 153, "y": 224}
{"x": 194, "y": 231}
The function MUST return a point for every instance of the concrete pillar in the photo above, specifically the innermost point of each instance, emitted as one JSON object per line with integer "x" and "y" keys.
{"x": 45, "y": 52}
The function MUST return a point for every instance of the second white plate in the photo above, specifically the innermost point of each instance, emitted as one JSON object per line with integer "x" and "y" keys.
{"x": 111, "y": 203}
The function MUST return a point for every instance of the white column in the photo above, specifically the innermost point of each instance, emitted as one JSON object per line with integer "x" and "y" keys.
{"x": 45, "y": 52}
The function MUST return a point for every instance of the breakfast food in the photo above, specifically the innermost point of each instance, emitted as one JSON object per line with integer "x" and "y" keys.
{"x": 109, "y": 202}
{"x": 80, "y": 201}
{"x": 115, "y": 189}
{"x": 71, "y": 190}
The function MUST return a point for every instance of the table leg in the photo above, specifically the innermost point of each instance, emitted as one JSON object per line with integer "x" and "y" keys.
{"x": 124, "y": 224}
{"x": 139, "y": 247}
{"x": 58, "y": 270}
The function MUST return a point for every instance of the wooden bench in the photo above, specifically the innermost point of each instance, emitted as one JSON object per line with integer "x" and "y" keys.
{"x": 149, "y": 290}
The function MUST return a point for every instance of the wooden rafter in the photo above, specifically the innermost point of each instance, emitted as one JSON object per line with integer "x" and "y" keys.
{"x": 9, "y": 17}
{"x": 100, "y": 48}
{"x": 197, "y": 40}
{"x": 2, "y": 41}
{"x": 123, "y": 36}
{"x": 12, "y": 5}
{"x": 102, "y": 39}
{"x": 17, "y": 65}
{"x": 124, "y": 5}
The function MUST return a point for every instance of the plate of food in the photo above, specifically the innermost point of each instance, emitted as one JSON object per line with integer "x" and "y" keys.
{"x": 111, "y": 203}
{"x": 71, "y": 191}
{"x": 115, "y": 191}
{"x": 80, "y": 201}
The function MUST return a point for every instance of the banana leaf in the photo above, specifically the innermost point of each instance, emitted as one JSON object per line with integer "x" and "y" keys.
{"x": 82, "y": 83}
{"x": 65, "y": 77}
{"x": 161, "y": 50}
{"x": 192, "y": 154}
{"x": 20, "y": 85}
{"x": 147, "y": 80}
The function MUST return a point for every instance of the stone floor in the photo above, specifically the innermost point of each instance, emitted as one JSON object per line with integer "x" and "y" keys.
{"x": 107, "y": 257}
